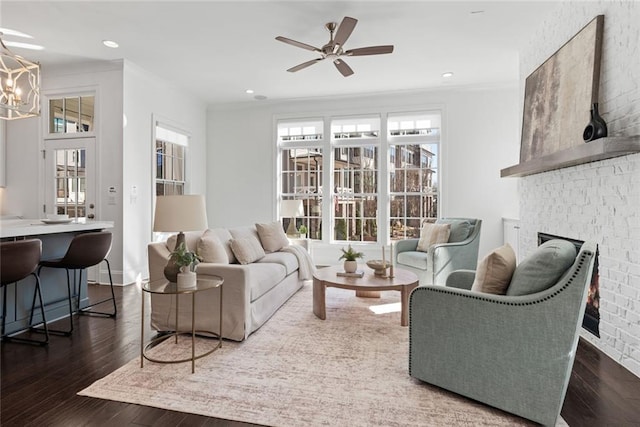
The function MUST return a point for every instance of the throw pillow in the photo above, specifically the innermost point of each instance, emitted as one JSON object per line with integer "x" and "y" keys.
{"x": 210, "y": 248}
{"x": 272, "y": 236}
{"x": 494, "y": 271}
{"x": 431, "y": 234}
{"x": 460, "y": 229}
{"x": 542, "y": 268}
{"x": 247, "y": 250}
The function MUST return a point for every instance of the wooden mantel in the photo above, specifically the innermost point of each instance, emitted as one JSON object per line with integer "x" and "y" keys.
{"x": 600, "y": 149}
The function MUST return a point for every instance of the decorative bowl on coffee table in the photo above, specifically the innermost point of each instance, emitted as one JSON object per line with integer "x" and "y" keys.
{"x": 379, "y": 269}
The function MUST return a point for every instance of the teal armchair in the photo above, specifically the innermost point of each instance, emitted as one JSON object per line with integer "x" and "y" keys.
{"x": 514, "y": 352}
{"x": 433, "y": 267}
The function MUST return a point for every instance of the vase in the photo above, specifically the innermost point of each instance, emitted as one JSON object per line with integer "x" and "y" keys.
{"x": 186, "y": 280}
{"x": 350, "y": 266}
{"x": 597, "y": 127}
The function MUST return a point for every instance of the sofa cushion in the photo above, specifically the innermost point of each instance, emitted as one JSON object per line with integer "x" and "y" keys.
{"x": 264, "y": 277}
{"x": 413, "y": 259}
{"x": 460, "y": 229}
{"x": 495, "y": 270}
{"x": 432, "y": 234}
{"x": 247, "y": 250}
{"x": 286, "y": 259}
{"x": 244, "y": 232}
{"x": 543, "y": 268}
{"x": 224, "y": 237}
{"x": 211, "y": 249}
{"x": 272, "y": 236}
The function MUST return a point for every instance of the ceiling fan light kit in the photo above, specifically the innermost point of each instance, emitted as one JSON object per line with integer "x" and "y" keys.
{"x": 334, "y": 50}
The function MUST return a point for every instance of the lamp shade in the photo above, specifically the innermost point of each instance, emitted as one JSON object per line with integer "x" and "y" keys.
{"x": 291, "y": 208}
{"x": 180, "y": 213}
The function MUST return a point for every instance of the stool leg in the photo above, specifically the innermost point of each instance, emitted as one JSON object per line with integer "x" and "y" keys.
{"x": 113, "y": 299}
{"x": 45, "y": 329}
{"x": 38, "y": 292}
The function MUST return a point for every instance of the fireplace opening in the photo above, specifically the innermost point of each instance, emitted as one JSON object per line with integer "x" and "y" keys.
{"x": 591, "y": 319}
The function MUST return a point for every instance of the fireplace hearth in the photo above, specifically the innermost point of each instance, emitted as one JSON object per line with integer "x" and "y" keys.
{"x": 591, "y": 319}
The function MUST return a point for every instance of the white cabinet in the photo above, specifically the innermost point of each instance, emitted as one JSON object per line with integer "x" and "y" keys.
{"x": 511, "y": 230}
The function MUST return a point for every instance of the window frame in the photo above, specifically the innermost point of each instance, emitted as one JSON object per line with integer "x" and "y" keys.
{"x": 384, "y": 140}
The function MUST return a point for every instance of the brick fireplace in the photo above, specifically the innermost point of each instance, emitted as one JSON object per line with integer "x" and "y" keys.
{"x": 598, "y": 201}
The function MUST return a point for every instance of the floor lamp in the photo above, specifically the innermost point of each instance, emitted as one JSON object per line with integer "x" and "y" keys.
{"x": 177, "y": 214}
{"x": 291, "y": 209}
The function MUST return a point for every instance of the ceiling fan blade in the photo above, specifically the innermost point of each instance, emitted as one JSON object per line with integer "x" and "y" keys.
{"x": 371, "y": 50}
{"x": 304, "y": 65}
{"x": 344, "y": 30}
{"x": 297, "y": 44}
{"x": 342, "y": 66}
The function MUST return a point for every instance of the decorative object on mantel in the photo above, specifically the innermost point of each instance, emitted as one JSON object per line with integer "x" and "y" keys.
{"x": 19, "y": 85}
{"x": 179, "y": 213}
{"x": 569, "y": 78}
{"x": 597, "y": 127}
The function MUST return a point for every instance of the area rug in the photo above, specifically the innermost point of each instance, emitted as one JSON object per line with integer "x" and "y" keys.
{"x": 298, "y": 370}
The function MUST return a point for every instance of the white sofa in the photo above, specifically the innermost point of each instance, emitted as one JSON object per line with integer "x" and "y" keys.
{"x": 252, "y": 293}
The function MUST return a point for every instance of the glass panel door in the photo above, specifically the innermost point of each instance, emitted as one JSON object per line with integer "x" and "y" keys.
{"x": 70, "y": 177}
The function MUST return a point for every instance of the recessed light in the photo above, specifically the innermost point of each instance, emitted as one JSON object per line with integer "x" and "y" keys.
{"x": 110, "y": 43}
{"x": 248, "y": 91}
{"x": 24, "y": 45}
{"x": 447, "y": 74}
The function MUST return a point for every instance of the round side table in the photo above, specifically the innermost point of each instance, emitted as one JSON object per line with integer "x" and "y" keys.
{"x": 164, "y": 287}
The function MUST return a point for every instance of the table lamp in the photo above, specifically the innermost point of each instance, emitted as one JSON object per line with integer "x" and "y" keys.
{"x": 177, "y": 214}
{"x": 291, "y": 209}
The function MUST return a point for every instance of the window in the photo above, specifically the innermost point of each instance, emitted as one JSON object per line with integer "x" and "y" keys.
{"x": 71, "y": 114}
{"x": 355, "y": 178}
{"x": 70, "y": 182}
{"x": 376, "y": 182}
{"x": 413, "y": 167}
{"x": 171, "y": 147}
{"x": 301, "y": 166}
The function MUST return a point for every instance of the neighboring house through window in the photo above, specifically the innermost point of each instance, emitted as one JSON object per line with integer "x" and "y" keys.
{"x": 379, "y": 177}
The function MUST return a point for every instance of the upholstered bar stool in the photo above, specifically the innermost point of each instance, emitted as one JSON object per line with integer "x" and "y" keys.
{"x": 20, "y": 260}
{"x": 85, "y": 250}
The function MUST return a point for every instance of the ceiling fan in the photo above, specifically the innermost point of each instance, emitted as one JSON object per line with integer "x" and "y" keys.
{"x": 334, "y": 50}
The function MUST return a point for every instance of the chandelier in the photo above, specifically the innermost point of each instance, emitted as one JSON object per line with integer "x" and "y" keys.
{"x": 19, "y": 85}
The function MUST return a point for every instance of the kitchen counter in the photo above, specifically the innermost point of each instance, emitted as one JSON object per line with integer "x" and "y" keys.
{"x": 55, "y": 240}
{"x": 34, "y": 227}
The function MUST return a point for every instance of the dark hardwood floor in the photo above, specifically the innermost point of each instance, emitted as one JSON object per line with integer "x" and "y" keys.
{"x": 39, "y": 384}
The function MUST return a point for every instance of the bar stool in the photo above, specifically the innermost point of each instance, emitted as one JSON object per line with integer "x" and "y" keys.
{"x": 85, "y": 250}
{"x": 19, "y": 260}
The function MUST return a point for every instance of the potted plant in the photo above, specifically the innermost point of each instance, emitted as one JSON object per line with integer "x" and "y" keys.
{"x": 303, "y": 231}
{"x": 186, "y": 262}
{"x": 350, "y": 256}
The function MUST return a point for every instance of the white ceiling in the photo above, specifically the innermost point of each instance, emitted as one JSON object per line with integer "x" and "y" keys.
{"x": 217, "y": 49}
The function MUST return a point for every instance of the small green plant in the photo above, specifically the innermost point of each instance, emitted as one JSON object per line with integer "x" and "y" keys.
{"x": 350, "y": 255}
{"x": 303, "y": 229}
{"x": 184, "y": 258}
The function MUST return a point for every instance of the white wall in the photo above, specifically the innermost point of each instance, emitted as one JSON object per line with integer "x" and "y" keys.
{"x": 597, "y": 201}
{"x": 480, "y": 134}
{"x": 147, "y": 97}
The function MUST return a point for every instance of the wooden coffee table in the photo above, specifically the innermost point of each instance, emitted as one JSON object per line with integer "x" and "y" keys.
{"x": 403, "y": 281}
